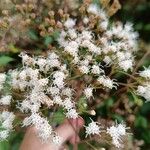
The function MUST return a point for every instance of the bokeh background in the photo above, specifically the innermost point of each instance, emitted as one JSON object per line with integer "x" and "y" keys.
{"x": 136, "y": 113}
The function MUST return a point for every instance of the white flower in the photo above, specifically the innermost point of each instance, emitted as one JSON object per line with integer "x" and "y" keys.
{"x": 145, "y": 73}
{"x": 53, "y": 61}
{"x": 96, "y": 69}
{"x": 107, "y": 60}
{"x": 88, "y": 92}
{"x": 2, "y": 78}
{"x": 94, "y": 49}
{"x": 107, "y": 82}
{"x": 84, "y": 69}
{"x": 58, "y": 80}
{"x": 70, "y": 23}
{"x": 94, "y": 9}
{"x": 144, "y": 91}
{"x": 41, "y": 62}
{"x": 57, "y": 100}
{"x": 68, "y": 104}
{"x": 6, "y": 121}
{"x": 117, "y": 132}
{"x": 72, "y": 48}
{"x": 86, "y": 35}
{"x": 4, "y": 135}
{"x": 5, "y": 100}
{"x": 53, "y": 90}
{"x": 72, "y": 113}
{"x": 72, "y": 33}
{"x": 85, "y": 20}
{"x": 67, "y": 92}
{"x": 43, "y": 127}
{"x": 26, "y": 60}
{"x": 23, "y": 74}
{"x": 126, "y": 64}
{"x": 104, "y": 24}
{"x": 92, "y": 128}
{"x": 42, "y": 82}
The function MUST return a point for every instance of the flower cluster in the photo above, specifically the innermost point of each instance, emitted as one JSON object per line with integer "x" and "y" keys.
{"x": 117, "y": 132}
{"x": 144, "y": 89}
{"x": 6, "y": 121}
{"x": 83, "y": 59}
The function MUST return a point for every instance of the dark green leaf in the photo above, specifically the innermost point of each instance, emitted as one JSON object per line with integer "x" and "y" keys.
{"x": 4, "y": 60}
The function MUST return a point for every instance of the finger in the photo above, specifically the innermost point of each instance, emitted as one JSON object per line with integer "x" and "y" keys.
{"x": 69, "y": 129}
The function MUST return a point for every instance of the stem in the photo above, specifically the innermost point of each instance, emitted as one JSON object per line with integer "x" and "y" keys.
{"x": 91, "y": 145}
{"x": 131, "y": 76}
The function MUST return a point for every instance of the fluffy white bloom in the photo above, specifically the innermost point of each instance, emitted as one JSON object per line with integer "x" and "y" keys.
{"x": 26, "y": 60}
{"x": 107, "y": 60}
{"x": 144, "y": 91}
{"x": 5, "y": 100}
{"x": 94, "y": 49}
{"x": 145, "y": 73}
{"x": 72, "y": 33}
{"x": 32, "y": 73}
{"x": 41, "y": 124}
{"x": 59, "y": 74}
{"x": 68, "y": 104}
{"x": 88, "y": 92}
{"x": 53, "y": 61}
{"x": 126, "y": 64}
{"x": 4, "y": 135}
{"x": 2, "y": 79}
{"x": 117, "y": 132}
{"x": 92, "y": 128}
{"x": 57, "y": 100}
{"x": 104, "y": 24}
{"x": 67, "y": 92}
{"x": 72, "y": 113}
{"x": 72, "y": 48}
{"x": 42, "y": 82}
{"x": 94, "y": 9}
{"x": 6, "y": 121}
{"x": 84, "y": 69}
{"x": 86, "y": 35}
{"x": 69, "y": 23}
{"x": 23, "y": 74}
{"x": 96, "y": 70}
{"x": 58, "y": 80}
{"x": 41, "y": 62}
{"x": 85, "y": 20}
{"x": 107, "y": 82}
{"x": 53, "y": 90}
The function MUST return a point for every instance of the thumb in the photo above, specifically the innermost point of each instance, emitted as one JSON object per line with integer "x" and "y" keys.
{"x": 69, "y": 130}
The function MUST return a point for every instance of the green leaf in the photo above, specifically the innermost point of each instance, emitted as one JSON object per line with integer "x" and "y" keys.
{"x": 4, "y": 145}
{"x": 58, "y": 117}
{"x": 141, "y": 122}
{"x": 56, "y": 34}
{"x": 117, "y": 117}
{"x": 136, "y": 99}
{"x": 13, "y": 48}
{"x": 4, "y": 60}
{"x": 48, "y": 40}
{"x": 109, "y": 102}
{"x": 33, "y": 35}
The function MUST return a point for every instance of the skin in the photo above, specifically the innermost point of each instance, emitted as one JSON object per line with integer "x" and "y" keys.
{"x": 68, "y": 131}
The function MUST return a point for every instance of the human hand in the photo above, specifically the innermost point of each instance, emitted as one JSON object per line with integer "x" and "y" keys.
{"x": 68, "y": 131}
